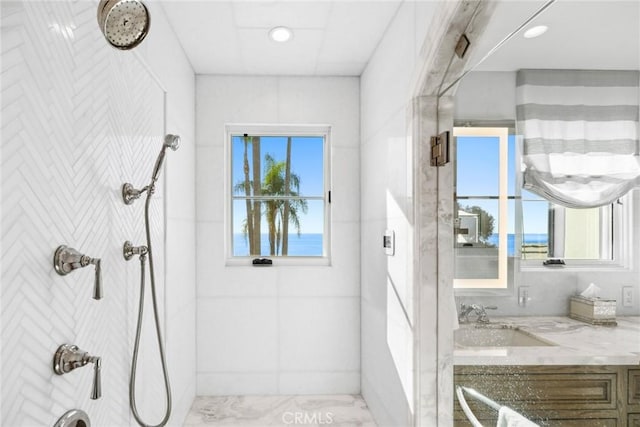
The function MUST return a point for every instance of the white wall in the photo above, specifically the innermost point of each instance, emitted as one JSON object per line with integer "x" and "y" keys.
{"x": 79, "y": 118}
{"x": 492, "y": 96}
{"x": 283, "y": 329}
{"x": 168, "y": 62}
{"x": 387, "y": 203}
{"x": 486, "y": 96}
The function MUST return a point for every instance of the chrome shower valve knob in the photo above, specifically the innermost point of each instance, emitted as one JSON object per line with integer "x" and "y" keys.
{"x": 66, "y": 259}
{"x": 69, "y": 357}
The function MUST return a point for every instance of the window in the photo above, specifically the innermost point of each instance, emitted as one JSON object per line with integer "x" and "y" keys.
{"x": 497, "y": 222}
{"x": 279, "y": 191}
{"x": 553, "y": 231}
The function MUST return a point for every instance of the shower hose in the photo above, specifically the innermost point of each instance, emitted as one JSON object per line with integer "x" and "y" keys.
{"x": 134, "y": 362}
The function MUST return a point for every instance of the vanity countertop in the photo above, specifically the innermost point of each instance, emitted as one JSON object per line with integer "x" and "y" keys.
{"x": 578, "y": 343}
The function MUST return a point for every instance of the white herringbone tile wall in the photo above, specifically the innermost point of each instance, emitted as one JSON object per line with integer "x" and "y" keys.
{"x": 78, "y": 119}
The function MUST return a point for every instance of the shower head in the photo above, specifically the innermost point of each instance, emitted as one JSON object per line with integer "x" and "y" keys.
{"x": 124, "y": 23}
{"x": 170, "y": 141}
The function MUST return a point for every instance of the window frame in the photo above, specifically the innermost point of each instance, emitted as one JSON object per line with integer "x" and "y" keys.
{"x": 320, "y": 130}
{"x": 502, "y": 281}
{"x": 622, "y": 246}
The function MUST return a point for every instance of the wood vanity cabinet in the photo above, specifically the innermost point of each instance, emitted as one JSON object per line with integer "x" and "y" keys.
{"x": 633, "y": 399}
{"x": 564, "y": 396}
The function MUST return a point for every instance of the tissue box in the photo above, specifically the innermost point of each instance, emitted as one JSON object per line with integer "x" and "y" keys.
{"x": 597, "y": 311}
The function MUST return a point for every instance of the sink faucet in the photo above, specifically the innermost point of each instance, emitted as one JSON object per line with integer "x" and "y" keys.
{"x": 477, "y": 309}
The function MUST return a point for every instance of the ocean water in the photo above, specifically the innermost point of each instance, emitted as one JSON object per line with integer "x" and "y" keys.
{"x": 527, "y": 239}
{"x": 311, "y": 244}
{"x": 303, "y": 245}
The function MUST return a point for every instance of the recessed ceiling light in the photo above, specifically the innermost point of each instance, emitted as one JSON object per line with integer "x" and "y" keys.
{"x": 535, "y": 31}
{"x": 281, "y": 34}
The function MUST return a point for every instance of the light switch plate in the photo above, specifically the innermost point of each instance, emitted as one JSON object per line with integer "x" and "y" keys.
{"x": 389, "y": 242}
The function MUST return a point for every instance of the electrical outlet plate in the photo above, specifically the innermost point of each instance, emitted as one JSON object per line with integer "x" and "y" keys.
{"x": 523, "y": 296}
{"x": 627, "y": 296}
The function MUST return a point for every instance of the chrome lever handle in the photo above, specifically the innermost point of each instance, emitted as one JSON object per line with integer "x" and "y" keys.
{"x": 96, "y": 389}
{"x": 97, "y": 286}
{"x": 69, "y": 357}
{"x": 67, "y": 259}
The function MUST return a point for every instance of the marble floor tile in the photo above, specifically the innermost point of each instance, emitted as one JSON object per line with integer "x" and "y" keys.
{"x": 258, "y": 411}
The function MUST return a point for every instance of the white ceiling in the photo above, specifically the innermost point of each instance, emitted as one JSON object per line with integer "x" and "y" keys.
{"x": 331, "y": 37}
{"x": 337, "y": 37}
{"x": 583, "y": 34}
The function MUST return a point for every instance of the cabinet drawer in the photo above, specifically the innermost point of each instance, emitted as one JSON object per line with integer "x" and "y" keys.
{"x": 634, "y": 387}
{"x": 538, "y": 390}
{"x": 610, "y": 422}
{"x": 568, "y": 420}
{"x": 634, "y": 420}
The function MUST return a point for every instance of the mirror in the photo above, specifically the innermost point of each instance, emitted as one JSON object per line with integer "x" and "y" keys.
{"x": 501, "y": 229}
{"x": 595, "y": 244}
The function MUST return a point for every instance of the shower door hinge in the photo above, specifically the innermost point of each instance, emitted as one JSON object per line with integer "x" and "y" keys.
{"x": 440, "y": 149}
{"x": 462, "y": 46}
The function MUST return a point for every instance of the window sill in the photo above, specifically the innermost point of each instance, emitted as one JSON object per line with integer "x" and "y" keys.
{"x": 576, "y": 266}
{"x": 280, "y": 262}
{"x": 484, "y": 292}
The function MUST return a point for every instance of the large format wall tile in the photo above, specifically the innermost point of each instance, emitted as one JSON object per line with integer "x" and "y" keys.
{"x": 284, "y": 329}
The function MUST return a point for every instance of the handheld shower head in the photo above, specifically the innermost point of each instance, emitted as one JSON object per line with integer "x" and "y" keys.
{"x": 170, "y": 141}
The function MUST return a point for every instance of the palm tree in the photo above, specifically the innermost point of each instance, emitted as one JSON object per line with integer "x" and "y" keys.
{"x": 287, "y": 208}
{"x": 251, "y": 224}
{"x": 257, "y": 190}
{"x": 246, "y": 186}
{"x": 279, "y": 212}
{"x": 280, "y": 181}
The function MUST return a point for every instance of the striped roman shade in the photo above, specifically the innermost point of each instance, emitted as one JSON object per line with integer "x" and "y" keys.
{"x": 580, "y": 132}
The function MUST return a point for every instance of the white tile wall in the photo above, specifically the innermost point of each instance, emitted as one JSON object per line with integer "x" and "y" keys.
{"x": 78, "y": 119}
{"x": 311, "y": 341}
{"x": 241, "y": 334}
{"x": 167, "y": 61}
{"x": 280, "y": 329}
{"x": 387, "y": 203}
{"x": 237, "y": 383}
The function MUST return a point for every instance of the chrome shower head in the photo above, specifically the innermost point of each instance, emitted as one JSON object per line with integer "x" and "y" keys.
{"x": 172, "y": 141}
{"x": 124, "y": 23}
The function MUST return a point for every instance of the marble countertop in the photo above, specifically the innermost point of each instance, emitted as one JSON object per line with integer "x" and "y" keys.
{"x": 577, "y": 343}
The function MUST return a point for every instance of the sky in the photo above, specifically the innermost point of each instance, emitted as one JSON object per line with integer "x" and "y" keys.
{"x": 307, "y": 161}
{"x": 307, "y": 157}
{"x": 477, "y": 175}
